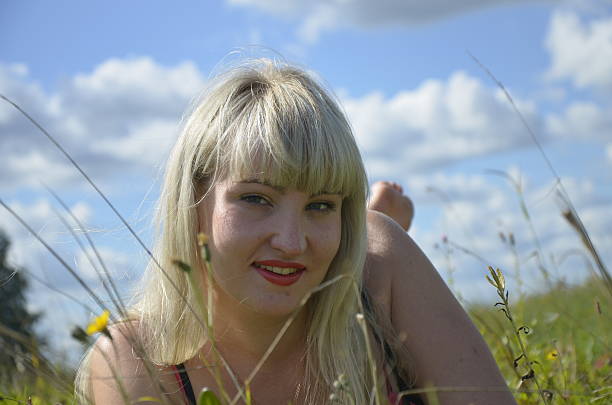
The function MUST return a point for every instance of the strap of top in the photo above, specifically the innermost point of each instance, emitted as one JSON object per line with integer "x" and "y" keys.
{"x": 390, "y": 357}
{"x": 184, "y": 383}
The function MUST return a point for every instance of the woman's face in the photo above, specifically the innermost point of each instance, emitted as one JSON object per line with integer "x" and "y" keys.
{"x": 269, "y": 246}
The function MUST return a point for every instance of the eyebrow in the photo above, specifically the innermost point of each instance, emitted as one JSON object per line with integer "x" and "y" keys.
{"x": 278, "y": 188}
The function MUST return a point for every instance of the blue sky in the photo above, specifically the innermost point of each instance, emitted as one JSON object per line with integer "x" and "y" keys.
{"x": 111, "y": 79}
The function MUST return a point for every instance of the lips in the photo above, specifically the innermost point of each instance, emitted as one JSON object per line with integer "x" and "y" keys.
{"x": 279, "y": 272}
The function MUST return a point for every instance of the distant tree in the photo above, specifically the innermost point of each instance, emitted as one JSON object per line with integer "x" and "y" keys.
{"x": 17, "y": 336}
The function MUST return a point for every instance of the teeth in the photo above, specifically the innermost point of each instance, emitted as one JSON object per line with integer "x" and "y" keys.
{"x": 279, "y": 270}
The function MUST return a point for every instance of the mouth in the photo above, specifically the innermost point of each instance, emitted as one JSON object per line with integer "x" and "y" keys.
{"x": 279, "y": 273}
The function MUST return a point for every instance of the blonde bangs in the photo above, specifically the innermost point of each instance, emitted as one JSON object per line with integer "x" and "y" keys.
{"x": 289, "y": 133}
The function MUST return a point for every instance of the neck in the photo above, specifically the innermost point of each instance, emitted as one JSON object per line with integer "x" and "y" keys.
{"x": 244, "y": 337}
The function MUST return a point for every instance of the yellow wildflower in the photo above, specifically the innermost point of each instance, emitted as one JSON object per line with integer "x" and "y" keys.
{"x": 202, "y": 239}
{"x": 203, "y": 244}
{"x": 99, "y": 323}
{"x": 552, "y": 355}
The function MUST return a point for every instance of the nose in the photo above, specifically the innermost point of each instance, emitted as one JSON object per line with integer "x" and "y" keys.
{"x": 289, "y": 236}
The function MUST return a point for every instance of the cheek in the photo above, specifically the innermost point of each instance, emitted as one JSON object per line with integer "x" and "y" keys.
{"x": 329, "y": 240}
{"x": 229, "y": 235}
{"x": 223, "y": 248}
{"x": 223, "y": 231}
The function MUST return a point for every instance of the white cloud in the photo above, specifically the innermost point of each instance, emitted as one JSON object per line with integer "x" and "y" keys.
{"x": 25, "y": 151}
{"x": 14, "y": 82}
{"x": 32, "y": 168}
{"x": 609, "y": 152}
{"x": 438, "y": 123}
{"x": 122, "y": 116}
{"x": 440, "y": 187}
{"x": 42, "y": 218}
{"x": 81, "y": 211}
{"x": 117, "y": 263}
{"x": 580, "y": 51}
{"x": 138, "y": 83}
{"x": 554, "y": 94}
{"x": 472, "y": 222}
{"x": 319, "y": 16}
{"x": 581, "y": 120}
{"x": 152, "y": 138}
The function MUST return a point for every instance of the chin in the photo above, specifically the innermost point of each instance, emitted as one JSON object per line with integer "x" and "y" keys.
{"x": 255, "y": 296}
{"x": 274, "y": 306}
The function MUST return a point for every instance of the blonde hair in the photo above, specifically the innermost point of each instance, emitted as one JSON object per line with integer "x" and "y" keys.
{"x": 262, "y": 114}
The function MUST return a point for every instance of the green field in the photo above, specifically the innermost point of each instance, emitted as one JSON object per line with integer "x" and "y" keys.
{"x": 567, "y": 344}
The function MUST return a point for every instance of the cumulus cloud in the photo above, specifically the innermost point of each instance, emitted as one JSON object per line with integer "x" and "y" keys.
{"x": 152, "y": 137}
{"x": 580, "y": 51}
{"x": 117, "y": 263}
{"x": 473, "y": 231}
{"x": 122, "y": 116}
{"x": 32, "y": 168}
{"x": 43, "y": 219}
{"x": 133, "y": 91}
{"x": 582, "y": 120}
{"x": 25, "y": 161}
{"x": 438, "y": 123}
{"x": 319, "y": 15}
{"x": 439, "y": 187}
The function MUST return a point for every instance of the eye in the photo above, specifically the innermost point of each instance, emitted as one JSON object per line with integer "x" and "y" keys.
{"x": 321, "y": 206}
{"x": 254, "y": 199}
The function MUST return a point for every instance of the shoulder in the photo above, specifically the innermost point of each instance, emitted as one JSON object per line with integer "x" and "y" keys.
{"x": 411, "y": 281}
{"x": 385, "y": 235}
{"x": 397, "y": 271}
{"x": 118, "y": 349}
{"x": 119, "y": 370}
{"x": 115, "y": 362}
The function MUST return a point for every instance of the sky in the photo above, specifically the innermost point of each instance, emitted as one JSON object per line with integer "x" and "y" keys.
{"x": 111, "y": 80}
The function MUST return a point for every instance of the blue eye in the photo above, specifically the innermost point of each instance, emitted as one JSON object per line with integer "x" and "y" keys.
{"x": 321, "y": 206}
{"x": 254, "y": 199}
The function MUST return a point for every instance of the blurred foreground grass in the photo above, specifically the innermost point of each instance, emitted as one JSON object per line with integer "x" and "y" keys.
{"x": 567, "y": 337}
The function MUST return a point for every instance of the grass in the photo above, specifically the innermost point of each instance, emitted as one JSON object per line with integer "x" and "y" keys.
{"x": 566, "y": 333}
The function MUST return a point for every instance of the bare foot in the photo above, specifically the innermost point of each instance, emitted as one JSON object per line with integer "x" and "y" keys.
{"x": 388, "y": 197}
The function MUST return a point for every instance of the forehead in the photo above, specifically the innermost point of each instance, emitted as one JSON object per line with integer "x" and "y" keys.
{"x": 284, "y": 175}
{"x": 278, "y": 187}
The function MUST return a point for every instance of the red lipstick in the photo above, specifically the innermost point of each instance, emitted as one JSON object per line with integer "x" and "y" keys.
{"x": 279, "y": 263}
{"x": 279, "y": 279}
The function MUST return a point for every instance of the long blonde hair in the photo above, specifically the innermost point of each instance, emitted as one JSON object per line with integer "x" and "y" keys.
{"x": 297, "y": 131}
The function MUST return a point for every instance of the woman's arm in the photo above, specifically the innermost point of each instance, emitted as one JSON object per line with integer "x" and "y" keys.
{"x": 446, "y": 348}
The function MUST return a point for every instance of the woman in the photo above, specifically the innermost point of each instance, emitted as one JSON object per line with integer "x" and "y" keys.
{"x": 268, "y": 169}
